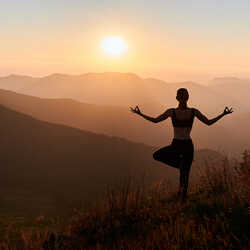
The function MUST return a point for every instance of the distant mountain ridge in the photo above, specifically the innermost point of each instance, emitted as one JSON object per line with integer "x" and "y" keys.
{"x": 115, "y": 92}
{"x": 226, "y": 79}
{"x": 113, "y": 88}
{"x": 121, "y": 122}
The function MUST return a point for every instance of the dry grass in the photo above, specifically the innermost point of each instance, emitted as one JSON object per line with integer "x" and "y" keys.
{"x": 132, "y": 216}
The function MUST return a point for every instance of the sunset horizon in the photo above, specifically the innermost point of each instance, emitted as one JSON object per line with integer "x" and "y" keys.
{"x": 169, "y": 41}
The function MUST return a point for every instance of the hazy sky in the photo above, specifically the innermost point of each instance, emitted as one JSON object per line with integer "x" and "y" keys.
{"x": 172, "y": 40}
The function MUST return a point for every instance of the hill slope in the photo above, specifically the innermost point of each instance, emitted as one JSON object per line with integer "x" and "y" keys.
{"x": 46, "y": 166}
{"x": 40, "y": 159}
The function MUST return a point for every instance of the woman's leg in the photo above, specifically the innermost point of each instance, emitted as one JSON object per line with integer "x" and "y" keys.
{"x": 184, "y": 177}
{"x": 167, "y": 155}
{"x": 185, "y": 166}
{"x": 178, "y": 155}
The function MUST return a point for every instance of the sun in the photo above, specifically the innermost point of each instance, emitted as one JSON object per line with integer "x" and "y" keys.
{"x": 114, "y": 45}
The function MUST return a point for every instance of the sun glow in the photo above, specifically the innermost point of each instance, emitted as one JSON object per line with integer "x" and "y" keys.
{"x": 114, "y": 45}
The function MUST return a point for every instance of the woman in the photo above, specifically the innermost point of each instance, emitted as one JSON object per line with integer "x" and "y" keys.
{"x": 180, "y": 153}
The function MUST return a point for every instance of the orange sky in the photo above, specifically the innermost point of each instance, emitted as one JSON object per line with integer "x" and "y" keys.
{"x": 173, "y": 42}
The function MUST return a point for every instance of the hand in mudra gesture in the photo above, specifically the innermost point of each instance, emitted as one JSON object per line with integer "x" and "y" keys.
{"x": 135, "y": 110}
{"x": 227, "y": 111}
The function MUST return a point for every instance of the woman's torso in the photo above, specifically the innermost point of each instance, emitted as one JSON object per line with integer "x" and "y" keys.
{"x": 182, "y": 120}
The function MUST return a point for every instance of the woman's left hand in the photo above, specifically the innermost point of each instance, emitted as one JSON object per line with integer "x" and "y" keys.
{"x": 136, "y": 110}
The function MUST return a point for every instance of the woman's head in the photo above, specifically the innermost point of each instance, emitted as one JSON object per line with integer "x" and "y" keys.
{"x": 182, "y": 95}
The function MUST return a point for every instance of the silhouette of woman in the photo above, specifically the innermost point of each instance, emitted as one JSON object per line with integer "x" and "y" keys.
{"x": 179, "y": 153}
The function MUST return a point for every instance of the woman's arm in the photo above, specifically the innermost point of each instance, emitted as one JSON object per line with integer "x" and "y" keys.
{"x": 209, "y": 122}
{"x": 160, "y": 118}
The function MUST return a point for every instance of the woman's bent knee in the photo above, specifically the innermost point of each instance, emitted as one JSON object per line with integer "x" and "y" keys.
{"x": 156, "y": 156}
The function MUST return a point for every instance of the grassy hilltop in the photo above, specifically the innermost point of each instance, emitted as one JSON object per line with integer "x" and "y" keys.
{"x": 216, "y": 216}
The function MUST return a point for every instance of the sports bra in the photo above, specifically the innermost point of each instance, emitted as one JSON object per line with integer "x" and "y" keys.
{"x": 182, "y": 123}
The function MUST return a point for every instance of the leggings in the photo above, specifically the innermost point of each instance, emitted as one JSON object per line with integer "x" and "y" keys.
{"x": 178, "y": 155}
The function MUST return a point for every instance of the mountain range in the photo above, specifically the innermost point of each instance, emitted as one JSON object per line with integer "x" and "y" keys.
{"x": 121, "y": 122}
{"x": 127, "y": 89}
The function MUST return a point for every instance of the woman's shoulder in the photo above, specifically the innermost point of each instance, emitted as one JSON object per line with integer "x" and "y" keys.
{"x": 171, "y": 110}
{"x": 195, "y": 111}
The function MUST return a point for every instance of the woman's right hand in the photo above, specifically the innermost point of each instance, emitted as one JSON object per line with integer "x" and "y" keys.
{"x": 227, "y": 111}
{"x": 135, "y": 110}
